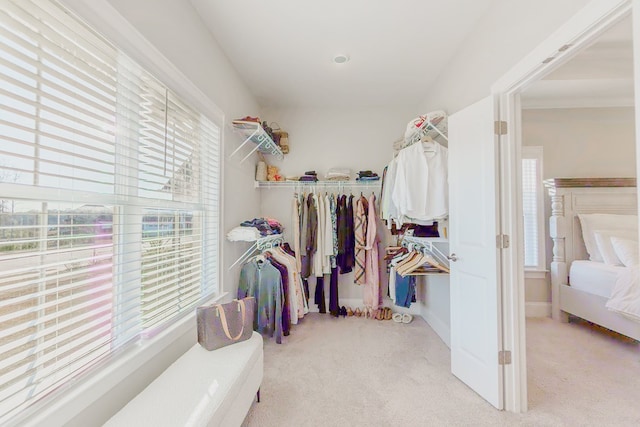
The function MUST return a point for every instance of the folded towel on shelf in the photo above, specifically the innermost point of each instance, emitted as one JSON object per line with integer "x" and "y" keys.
{"x": 338, "y": 174}
{"x": 308, "y": 178}
{"x": 246, "y": 234}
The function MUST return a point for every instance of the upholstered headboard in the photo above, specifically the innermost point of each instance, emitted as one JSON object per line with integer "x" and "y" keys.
{"x": 573, "y": 196}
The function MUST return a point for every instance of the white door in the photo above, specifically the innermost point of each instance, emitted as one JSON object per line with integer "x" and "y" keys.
{"x": 475, "y": 285}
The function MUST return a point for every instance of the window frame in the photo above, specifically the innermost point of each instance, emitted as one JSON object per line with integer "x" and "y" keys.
{"x": 536, "y": 153}
{"x": 165, "y": 343}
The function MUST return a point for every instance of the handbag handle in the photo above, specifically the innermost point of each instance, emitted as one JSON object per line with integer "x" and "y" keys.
{"x": 225, "y": 326}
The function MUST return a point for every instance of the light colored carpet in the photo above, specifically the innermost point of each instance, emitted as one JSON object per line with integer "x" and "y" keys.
{"x": 362, "y": 372}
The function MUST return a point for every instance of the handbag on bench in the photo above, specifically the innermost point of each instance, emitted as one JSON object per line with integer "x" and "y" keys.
{"x": 220, "y": 325}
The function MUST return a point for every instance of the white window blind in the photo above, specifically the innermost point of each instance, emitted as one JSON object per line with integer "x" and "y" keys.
{"x": 109, "y": 201}
{"x": 532, "y": 207}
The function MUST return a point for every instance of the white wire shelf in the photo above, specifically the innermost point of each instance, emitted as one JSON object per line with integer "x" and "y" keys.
{"x": 318, "y": 184}
{"x": 254, "y": 132}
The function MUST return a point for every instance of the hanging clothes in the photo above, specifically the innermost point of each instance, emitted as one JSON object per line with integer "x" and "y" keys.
{"x": 344, "y": 235}
{"x": 311, "y": 229}
{"x": 372, "y": 294}
{"x": 295, "y": 220}
{"x": 420, "y": 183}
{"x": 261, "y": 280}
{"x": 360, "y": 231}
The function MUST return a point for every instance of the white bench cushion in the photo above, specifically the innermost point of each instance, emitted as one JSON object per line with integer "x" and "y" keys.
{"x": 201, "y": 388}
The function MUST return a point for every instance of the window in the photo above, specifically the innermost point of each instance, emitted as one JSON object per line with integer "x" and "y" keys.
{"x": 533, "y": 208}
{"x": 109, "y": 202}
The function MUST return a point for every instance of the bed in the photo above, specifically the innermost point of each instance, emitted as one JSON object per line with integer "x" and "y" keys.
{"x": 580, "y": 286}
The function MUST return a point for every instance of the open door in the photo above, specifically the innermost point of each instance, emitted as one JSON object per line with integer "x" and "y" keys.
{"x": 475, "y": 269}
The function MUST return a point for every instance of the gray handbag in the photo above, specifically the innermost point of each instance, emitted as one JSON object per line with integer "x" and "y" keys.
{"x": 222, "y": 324}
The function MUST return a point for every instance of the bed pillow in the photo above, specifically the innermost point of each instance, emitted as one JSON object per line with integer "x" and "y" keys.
{"x": 592, "y": 222}
{"x": 626, "y": 250}
{"x": 605, "y": 247}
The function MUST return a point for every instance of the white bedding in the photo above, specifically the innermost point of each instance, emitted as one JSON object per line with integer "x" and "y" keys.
{"x": 594, "y": 277}
{"x": 625, "y": 298}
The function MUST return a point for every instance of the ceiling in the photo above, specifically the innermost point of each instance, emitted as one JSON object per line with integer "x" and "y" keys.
{"x": 601, "y": 75}
{"x": 284, "y": 49}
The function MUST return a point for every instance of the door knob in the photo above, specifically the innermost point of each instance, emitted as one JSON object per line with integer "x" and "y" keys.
{"x": 452, "y": 257}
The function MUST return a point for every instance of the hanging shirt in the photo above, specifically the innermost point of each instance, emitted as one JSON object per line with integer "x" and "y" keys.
{"x": 420, "y": 190}
{"x": 328, "y": 236}
{"x": 372, "y": 296}
{"x": 360, "y": 230}
{"x": 295, "y": 220}
{"x": 261, "y": 280}
{"x": 318, "y": 257}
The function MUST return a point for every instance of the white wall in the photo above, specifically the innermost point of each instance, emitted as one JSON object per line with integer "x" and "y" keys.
{"x": 579, "y": 143}
{"x": 176, "y": 32}
{"x": 322, "y": 138}
{"x": 509, "y": 30}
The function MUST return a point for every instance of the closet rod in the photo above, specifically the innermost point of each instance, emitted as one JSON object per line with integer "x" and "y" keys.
{"x": 318, "y": 184}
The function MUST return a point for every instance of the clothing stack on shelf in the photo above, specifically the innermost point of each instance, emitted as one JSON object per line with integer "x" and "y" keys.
{"x": 337, "y": 234}
{"x": 273, "y": 279}
{"x": 309, "y": 176}
{"x": 338, "y": 174}
{"x": 367, "y": 176}
{"x": 252, "y": 230}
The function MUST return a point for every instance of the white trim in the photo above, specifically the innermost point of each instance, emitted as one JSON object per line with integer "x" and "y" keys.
{"x": 104, "y": 18}
{"x": 538, "y": 309}
{"x": 535, "y": 274}
{"x": 61, "y": 408}
{"x": 584, "y": 27}
{"x": 438, "y": 325}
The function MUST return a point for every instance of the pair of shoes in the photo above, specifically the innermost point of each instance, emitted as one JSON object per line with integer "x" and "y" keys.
{"x": 387, "y": 313}
{"x": 343, "y": 311}
{"x": 407, "y": 318}
{"x": 397, "y": 317}
{"x": 379, "y": 314}
{"x": 357, "y": 313}
{"x": 349, "y": 312}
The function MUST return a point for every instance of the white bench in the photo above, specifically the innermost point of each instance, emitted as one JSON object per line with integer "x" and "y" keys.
{"x": 201, "y": 388}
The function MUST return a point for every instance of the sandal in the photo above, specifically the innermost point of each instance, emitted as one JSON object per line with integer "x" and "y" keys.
{"x": 349, "y": 312}
{"x": 357, "y": 313}
{"x": 397, "y": 317}
{"x": 388, "y": 313}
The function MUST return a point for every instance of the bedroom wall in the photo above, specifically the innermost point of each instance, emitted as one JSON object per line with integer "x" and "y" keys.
{"x": 578, "y": 143}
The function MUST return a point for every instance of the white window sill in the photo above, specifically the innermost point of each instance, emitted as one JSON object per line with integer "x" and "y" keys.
{"x": 62, "y": 408}
{"x": 535, "y": 274}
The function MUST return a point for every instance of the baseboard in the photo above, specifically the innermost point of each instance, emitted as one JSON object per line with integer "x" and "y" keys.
{"x": 357, "y": 302}
{"x": 439, "y": 327}
{"x": 537, "y": 309}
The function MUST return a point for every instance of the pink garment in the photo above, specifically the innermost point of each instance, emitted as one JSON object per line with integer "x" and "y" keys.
{"x": 372, "y": 295}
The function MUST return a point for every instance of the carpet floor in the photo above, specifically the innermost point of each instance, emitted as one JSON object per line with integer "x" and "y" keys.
{"x": 361, "y": 372}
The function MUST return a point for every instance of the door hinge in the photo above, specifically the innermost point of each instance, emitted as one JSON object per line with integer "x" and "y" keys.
{"x": 502, "y": 241}
{"x": 500, "y": 127}
{"x": 504, "y": 357}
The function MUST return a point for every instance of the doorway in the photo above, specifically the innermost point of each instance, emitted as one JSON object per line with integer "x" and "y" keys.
{"x": 577, "y": 35}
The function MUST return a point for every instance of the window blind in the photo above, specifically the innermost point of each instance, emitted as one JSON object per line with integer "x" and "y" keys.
{"x": 114, "y": 206}
{"x": 532, "y": 207}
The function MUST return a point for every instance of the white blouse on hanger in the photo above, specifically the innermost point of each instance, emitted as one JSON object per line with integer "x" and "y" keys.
{"x": 420, "y": 190}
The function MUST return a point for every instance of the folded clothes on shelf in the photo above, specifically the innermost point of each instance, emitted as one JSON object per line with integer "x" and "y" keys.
{"x": 247, "y": 234}
{"x": 266, "y": 226}
{"x": 308, "y": 178}
{"x": 367, "y": 176}
{"x": 338, "y": 174}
